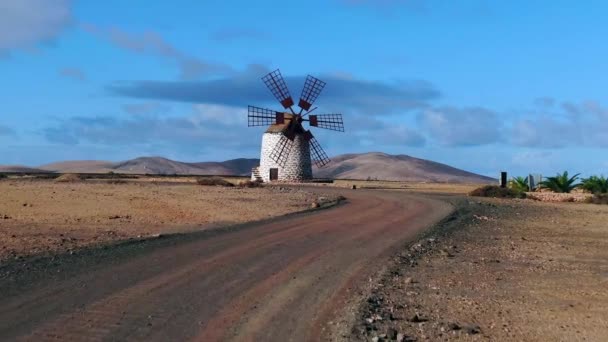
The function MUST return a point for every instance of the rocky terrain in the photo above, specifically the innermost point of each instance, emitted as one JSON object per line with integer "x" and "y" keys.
{"x": 498, "y": 270}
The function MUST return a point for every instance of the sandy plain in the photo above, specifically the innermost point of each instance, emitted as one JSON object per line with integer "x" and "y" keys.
{"x": 40, "y": 216}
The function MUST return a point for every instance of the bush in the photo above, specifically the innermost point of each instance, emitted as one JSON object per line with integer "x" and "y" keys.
{"x": 68, "y": 178}
{"x": 598, "y": 199}
{"x": 213, "y": 181}
{"x": 496, "y": 191}
{"x": 2, "y": 175}
{"x": 519, "y": 184}
{"x": 250, "y": 184}
{"x": 595, "y": 184}
{"x": 560, "y": 183}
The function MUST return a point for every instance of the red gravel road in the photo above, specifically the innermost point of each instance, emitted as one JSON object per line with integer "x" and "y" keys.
{"x": 285, "y": 279}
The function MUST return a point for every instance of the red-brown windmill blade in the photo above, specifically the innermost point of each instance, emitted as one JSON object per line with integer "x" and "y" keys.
{"x": 319, "y": 157}
{"x": 257, "y": 116}
{"x": 277, "y": 86}
{"x": 327, "y": 121}
{"x": 281, "y": 150}
{"x": 312, "y": 88}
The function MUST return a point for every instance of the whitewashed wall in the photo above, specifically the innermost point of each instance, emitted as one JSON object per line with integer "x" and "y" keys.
{"x": 298, "y": 166}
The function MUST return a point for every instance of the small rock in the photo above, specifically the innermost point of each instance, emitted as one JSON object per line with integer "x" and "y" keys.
{"x": 353, "y": 187}
{"x": 391, "y": 333}
{"x": 409, "y": 280}
{"x": 417, "y": 319}
{"x": 454, "y": 326}
{"x": 473, "y": 329}
{"x": 315, "y": 205}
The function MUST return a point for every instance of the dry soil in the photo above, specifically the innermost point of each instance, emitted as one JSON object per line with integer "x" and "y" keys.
{"x": 44, "y": 216}
{"x": 498, "y": 270}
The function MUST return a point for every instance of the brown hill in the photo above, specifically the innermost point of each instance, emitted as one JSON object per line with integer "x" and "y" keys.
{"x": 20, "y": 169}
{"x": 374, "y": 165}
{"x": 80, "y": 166}
{"x": 156, "y": 165}
{"x": 382, "y": 166}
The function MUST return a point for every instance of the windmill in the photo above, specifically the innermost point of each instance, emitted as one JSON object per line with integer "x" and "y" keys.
{"x": 288, "y": 149}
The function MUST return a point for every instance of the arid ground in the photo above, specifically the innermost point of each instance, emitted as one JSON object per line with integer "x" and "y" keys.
{"x": 45, "y": 216}
{"x": 498, "y": 270}
{"x": 367, "y": 269}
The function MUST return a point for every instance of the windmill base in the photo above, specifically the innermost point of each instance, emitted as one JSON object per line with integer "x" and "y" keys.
{"x": 297, "y": 166}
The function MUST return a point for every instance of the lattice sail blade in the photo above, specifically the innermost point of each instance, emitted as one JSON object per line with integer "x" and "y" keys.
{"x": 257, "y": 116}
{"x": 275, "y": 82}
{"x": 312, "y": 88}
{"x": 327, "y": 121}
{"x": 319, "y": 157}
{"x": 281, "y": 150}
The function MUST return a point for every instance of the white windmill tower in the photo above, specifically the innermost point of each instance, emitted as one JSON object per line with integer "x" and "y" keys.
{"x": 288, "y": 149}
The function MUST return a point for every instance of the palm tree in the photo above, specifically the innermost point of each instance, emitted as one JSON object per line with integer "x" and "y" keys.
{"x": 519, "y": 184}
{"x": 595, "y": 184}
{"x": 561, "y": 183}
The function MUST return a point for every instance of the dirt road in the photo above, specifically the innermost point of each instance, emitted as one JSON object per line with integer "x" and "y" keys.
{"x": 291, "y": 278}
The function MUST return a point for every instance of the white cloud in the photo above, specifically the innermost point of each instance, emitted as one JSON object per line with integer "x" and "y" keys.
{"x": 25, "y": 23}
{"x": 452, "y": 126}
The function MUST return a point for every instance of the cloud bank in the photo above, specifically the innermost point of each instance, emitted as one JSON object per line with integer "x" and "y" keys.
{"x": 26, "y": 23}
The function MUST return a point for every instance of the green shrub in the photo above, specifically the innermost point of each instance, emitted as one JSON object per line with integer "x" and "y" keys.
{"x": 595, "y": 184}
{"x": 2, "y": 175}
{"x": 598, "y": 199}
{"x": 561, "y": 183}
{"x": 213, "y": 181}
{"x": 496, "y": 191}
{"x": 519, "y": 184}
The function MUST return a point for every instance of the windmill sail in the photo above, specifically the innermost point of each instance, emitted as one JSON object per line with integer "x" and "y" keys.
{"x": 312, "y": 88}
{"x": 277, "y": 86}
{"x": 319, "y": 157}
{"x": 263, "y": 117}
{"x": 281, "y": 151}
{"x": 327, "y": 121}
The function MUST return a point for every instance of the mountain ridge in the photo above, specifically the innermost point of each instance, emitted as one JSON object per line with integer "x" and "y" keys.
{"x": 370, "y": 165}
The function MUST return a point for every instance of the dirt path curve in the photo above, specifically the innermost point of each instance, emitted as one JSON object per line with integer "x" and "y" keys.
{"x": 287, "y": 279}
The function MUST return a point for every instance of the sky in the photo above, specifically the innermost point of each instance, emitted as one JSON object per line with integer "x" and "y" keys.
{"x": 486, "y": 86}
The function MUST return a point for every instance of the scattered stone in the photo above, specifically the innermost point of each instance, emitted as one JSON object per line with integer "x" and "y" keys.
{"x": 410, "y": 280}
{"x": 315, "y": 205}
{"x": 473, "y": 329}
{"x": 447, "y": 253}
{"x": 391, "y": 333}
{"x": 418, "y": 319}
{"x": 454, "y": 326}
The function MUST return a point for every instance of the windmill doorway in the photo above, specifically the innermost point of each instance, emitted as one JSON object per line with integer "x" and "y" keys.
{"x": 274, "y": 174}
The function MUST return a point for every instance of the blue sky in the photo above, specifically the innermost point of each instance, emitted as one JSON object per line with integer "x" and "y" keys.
{"x": 480, "y": 85}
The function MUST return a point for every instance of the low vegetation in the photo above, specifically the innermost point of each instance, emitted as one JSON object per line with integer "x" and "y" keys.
{"x": 213, "y": 181}
{"x": 2, "y": 175}
{"x": 561, "y": 183}
{"x": 250, "y": 184}
{"x": 519, "y": 184}
{"x": 598, "y": 199}
{"x": 497, "y": 191}
{"x": 595, "y": 184}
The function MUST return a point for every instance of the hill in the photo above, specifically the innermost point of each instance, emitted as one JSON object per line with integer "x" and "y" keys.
{"x": 374, "y": 165}
{"x": 395, "y": 168}
{"x": 20, "y": 169}
{"x": 156, "y": 165}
